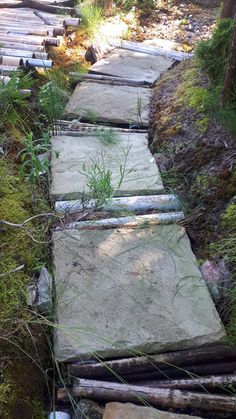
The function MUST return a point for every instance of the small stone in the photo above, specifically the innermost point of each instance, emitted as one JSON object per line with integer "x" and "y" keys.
{"x": 217, "y": 277}
{"x": 44, "y": 298}
{"x": 88, "y": 409}
{"x": 31, "y": 295}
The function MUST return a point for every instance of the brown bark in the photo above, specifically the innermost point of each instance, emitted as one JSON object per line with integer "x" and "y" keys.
{"x": 229, "y": 9}
{"x": 155, "y": 396}
{"x": 230, "y": 76}
{"x": 151, "y": 363}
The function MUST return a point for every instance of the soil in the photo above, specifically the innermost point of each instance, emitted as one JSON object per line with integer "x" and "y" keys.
{"x": 183, "y": 22}
{"x": 198, "y": 164}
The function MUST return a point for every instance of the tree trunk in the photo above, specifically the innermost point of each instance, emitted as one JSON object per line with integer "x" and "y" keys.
{"x": 166, "y": 398}
{"x": 229, "y": 9}
{"x": 230, "y": 77}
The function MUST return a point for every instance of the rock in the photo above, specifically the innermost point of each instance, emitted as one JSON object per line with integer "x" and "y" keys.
{"x": 110, "y": 104}
{"x": 88, "y": 409}
{"x": 217, "y": 277}
{"x": 162, "y": 161}
{"x": 44, "y": 298}
{"x": 141, "y": 173}
{"x": 131, "y": 411}
{"x": 133, "y": 65}
{"x": 32, "y": 295}
{"x": 103, "y": 277}
{"x": 93, "y": 54}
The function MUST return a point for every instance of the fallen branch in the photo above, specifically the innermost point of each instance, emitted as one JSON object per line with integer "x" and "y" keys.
{"x": 45, "y": 7}
{"x": 212, "y": 382}
{"x": 166, "y": 398}
{"x": 18, "y": 269}
{"x": 153, "y": 363}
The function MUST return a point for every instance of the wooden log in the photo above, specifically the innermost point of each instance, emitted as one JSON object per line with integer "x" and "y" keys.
{"x": 11, "y": 4}
{"x": 16, "y": 53}
{"x": 71, "y": 21}
{"x": 150, "y": 363}
{"x": 78, "y": 126}
{"x": 21, "y": 39}
{"x": 212, "y": 382}
{"x": 35, "y": 62}
{"x": 28, "y": 47}
{"x": 45, "y": 19}
{"x": 12, "y": 61}
{"x": 187, "y": 371}
{"x": 59, "y": 31}
{"x": 40, "y": 55}
{"x": 49, "y": 8}
{"x": 16, "y": 31}
{"x": 93, "y": 76}
{"x": 127, "y": 222}
{"x": 52, "y": 42}
{"x": 177, "y": 399}
{"x": 134, "y": 203}
{"x": 138, "y": 47}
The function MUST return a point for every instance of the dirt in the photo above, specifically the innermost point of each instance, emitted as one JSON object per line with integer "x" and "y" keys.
{"x": 199, "y": 164}
{"x": 183, "y": 22}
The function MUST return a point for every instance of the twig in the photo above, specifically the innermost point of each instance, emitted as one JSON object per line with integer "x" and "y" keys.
{"x": 19, "y": 268}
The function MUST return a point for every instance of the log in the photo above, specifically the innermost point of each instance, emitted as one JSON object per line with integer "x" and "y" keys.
{"x": 16, "y": 31}
{"x": 93, "y": 76}
{"x": 187, "y": 371}
{"x": 140, "y": 221}
{"x": 49, "y": 8}
{"x": 40, "y": 55}
{"x": 12, "y": 61}
{"x": 71, "y": 21}
{"x": 52, "y": 42}
{"x": 35, "y": 62}
{"x": 59, "y": 31}
{"x": 16, "y": 53}
{"x": 28, "y": 47}
{"x": 150, "y": 363}
{"x": 10, "y": 4}
{"x": 212, "y": 382}
{"x": 78, "y": 126}
{"x": 175, "y": 399}
{"x": 136, "y": 203}
{"x": 138, "y": 47}
{"x": 21, "y": 39}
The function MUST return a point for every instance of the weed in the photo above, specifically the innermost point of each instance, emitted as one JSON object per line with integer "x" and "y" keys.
{"x": 32, "y": 165}
{"x": 107, "y": 135}
{"x": 99, "y": 181}
{"x": 91, "y": 17}
{"x": 14, "y": 109}
{"x": 51, "y": 102}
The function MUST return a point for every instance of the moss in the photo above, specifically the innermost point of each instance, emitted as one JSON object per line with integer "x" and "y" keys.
{"x": 202, "y": 124}
{"x": 17, "y": 248}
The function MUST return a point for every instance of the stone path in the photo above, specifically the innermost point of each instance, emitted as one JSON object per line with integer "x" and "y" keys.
{"x": 125, "y": 283}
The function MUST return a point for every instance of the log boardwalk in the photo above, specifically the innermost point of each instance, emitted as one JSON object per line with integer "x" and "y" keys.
{"x": 27, "y": 30}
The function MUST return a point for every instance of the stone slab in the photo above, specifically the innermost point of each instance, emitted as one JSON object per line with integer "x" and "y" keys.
{"x": 69, "y": 154}
{"x": 133, "y": 65}
{"x": 131, "y": 411}
{"x": 110, "y": 104}
{"x": 127, "y": 291}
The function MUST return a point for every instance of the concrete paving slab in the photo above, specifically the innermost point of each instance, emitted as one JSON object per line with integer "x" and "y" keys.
{"x": 131, "y": 152}
{"x": 133, "y": 65}
{"x": 110, "y": 104}
{"x": 127, "y": 291}
{"x": 115, "y": 410}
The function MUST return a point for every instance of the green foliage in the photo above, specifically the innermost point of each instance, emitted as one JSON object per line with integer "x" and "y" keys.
{"x": 107, "y": 136}
{"x": 31, "y": 165}
{"x": 213, "y": 53}
{"x": 51, "y": 102}
{"x": 91, "y": 17}
{"x": 14, "y": 109}
{"x": 99, "y": 181}
{"x": 144, "y": 5}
